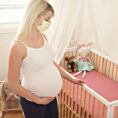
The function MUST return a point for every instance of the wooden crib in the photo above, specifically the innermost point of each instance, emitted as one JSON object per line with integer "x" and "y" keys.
{"x": 88, "y": 103}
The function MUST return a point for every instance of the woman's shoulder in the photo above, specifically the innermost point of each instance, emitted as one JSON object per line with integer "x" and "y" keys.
{"x": 18, "y": 48}
{"x": 16, "y": 43}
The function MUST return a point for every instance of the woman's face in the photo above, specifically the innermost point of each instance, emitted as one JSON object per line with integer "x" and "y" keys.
{"x": 46, "y": 17}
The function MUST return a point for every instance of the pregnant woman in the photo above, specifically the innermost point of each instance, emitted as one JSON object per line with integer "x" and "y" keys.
{"x": 31, "y": 55}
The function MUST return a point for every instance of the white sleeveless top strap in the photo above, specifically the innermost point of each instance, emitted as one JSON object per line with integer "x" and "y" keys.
{"x": 22, "y": 42}
{"x": 28, "y": 46}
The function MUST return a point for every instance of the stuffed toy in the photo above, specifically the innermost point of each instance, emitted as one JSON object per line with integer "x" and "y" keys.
{"x": 71, "y": 64}
{"x": 83, "y": 61}
{"x": 10, "y": 99}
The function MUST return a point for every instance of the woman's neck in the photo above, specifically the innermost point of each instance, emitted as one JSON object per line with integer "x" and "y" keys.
{"x": 35, "y": 33}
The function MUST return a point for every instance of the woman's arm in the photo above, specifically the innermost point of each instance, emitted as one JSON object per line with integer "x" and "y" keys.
{"x": 67, "y": 75}
{"x": 15, "y": 58}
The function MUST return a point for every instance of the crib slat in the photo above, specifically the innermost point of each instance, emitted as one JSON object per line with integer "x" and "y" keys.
{"x": 103, "y": 111}
{"x": 99, "y": 64}
{"x": 116, "y": 73}
{"x": 117, "y": 114}
{"x": 98, "y": 109}
{"x": 77, "y": 101}
{"x": 72, "y": 53}
{"x": 76, "y": 54}
{"x": 59, "y": 96}
{"x": 60, "y": 64}
{"x": 84, "y": 103}
{"x": 73, "y": 94}
{"x": 89, "y": 106}
{"x": 68, "y": 53}
{"x": 112, "y": 71}
{"x": 64, "y": 60}
{"x": 102, "y": 65}
{"x": 69, "y": 101}
{"x": 63, "y": 98}
{"x": 90, "y": 55}
{"x": 93, "y": 107}
{"x": 73, "y": 101}
{"x": 93, "y": 60}
{"x": 106, "y": 62}
{"x": 69, "y": 96}
{"x": 109, "y": 69}
{"x": 96, "y": 61}
{"x": 80, "y": 102}
{"x": 66, "y": 98}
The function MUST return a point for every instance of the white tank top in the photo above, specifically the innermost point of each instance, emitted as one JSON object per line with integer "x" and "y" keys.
{"x": 39, "y": 74}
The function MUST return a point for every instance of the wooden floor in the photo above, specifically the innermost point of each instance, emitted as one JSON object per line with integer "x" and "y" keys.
{"x": 10, "y": 114}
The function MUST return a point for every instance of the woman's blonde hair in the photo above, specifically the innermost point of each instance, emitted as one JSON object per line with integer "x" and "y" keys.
{"x": 33, "y": 10}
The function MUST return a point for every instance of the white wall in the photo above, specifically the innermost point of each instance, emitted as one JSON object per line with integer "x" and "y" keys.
{"x": 6, "y": 36}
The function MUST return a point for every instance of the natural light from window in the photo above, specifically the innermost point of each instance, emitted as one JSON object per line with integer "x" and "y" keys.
{"x": 11, "y": 11}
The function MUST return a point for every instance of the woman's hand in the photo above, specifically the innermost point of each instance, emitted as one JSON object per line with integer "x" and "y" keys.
{"x": 44, "y": 100}
{"x": 77, "y": 81}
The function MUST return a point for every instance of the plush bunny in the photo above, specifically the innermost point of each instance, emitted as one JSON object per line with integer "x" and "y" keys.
{"x": 83, "y": 61}
{"x": 10, "y": 99}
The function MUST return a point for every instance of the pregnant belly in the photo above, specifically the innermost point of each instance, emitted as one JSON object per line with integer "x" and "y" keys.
{"x": 45, "y": 83}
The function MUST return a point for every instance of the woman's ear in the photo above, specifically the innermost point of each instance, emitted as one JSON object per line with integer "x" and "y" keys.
{"x": 38, "y": 21}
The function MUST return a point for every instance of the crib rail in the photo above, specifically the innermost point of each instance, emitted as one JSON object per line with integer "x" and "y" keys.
{"x": 70, "y": 108}
{"x": 105, "y": 65}
{"x": 64, "y": 113}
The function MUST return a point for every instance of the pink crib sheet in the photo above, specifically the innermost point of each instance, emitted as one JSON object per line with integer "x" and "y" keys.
{"x": 100, "y": 84}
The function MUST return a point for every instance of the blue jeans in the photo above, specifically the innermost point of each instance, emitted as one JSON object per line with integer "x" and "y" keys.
{"x": 33, "y": 110}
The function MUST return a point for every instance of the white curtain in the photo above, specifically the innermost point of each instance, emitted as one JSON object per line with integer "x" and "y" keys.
{"x": 84, "y": 21}
{"x": 103, "y": 26}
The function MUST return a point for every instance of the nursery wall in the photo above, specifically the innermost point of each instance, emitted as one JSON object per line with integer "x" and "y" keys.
{"x": 6, "y": 36}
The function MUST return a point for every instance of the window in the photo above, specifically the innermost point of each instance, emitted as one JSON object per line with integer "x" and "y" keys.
{"x": 11, "y": 11}
{"x": 6, "y": 2}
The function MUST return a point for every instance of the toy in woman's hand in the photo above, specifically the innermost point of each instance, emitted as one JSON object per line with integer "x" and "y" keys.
{"x": 10, "y": 99}
{"x": 71, "y": 64}
{"x": 83, "y": 61}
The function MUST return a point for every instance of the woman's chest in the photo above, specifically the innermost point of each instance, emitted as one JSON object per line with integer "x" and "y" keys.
{"x": 38, "y": 58}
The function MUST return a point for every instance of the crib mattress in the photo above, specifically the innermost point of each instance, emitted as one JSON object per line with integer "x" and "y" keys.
{"x": 102, "y": 85}
{"x": 97, "y": 82}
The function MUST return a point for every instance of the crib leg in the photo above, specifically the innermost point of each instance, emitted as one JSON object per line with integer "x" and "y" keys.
{"x": 110, "y": 112}
{"x": 84, "y": 74}
{"x": 77, "y": 73}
